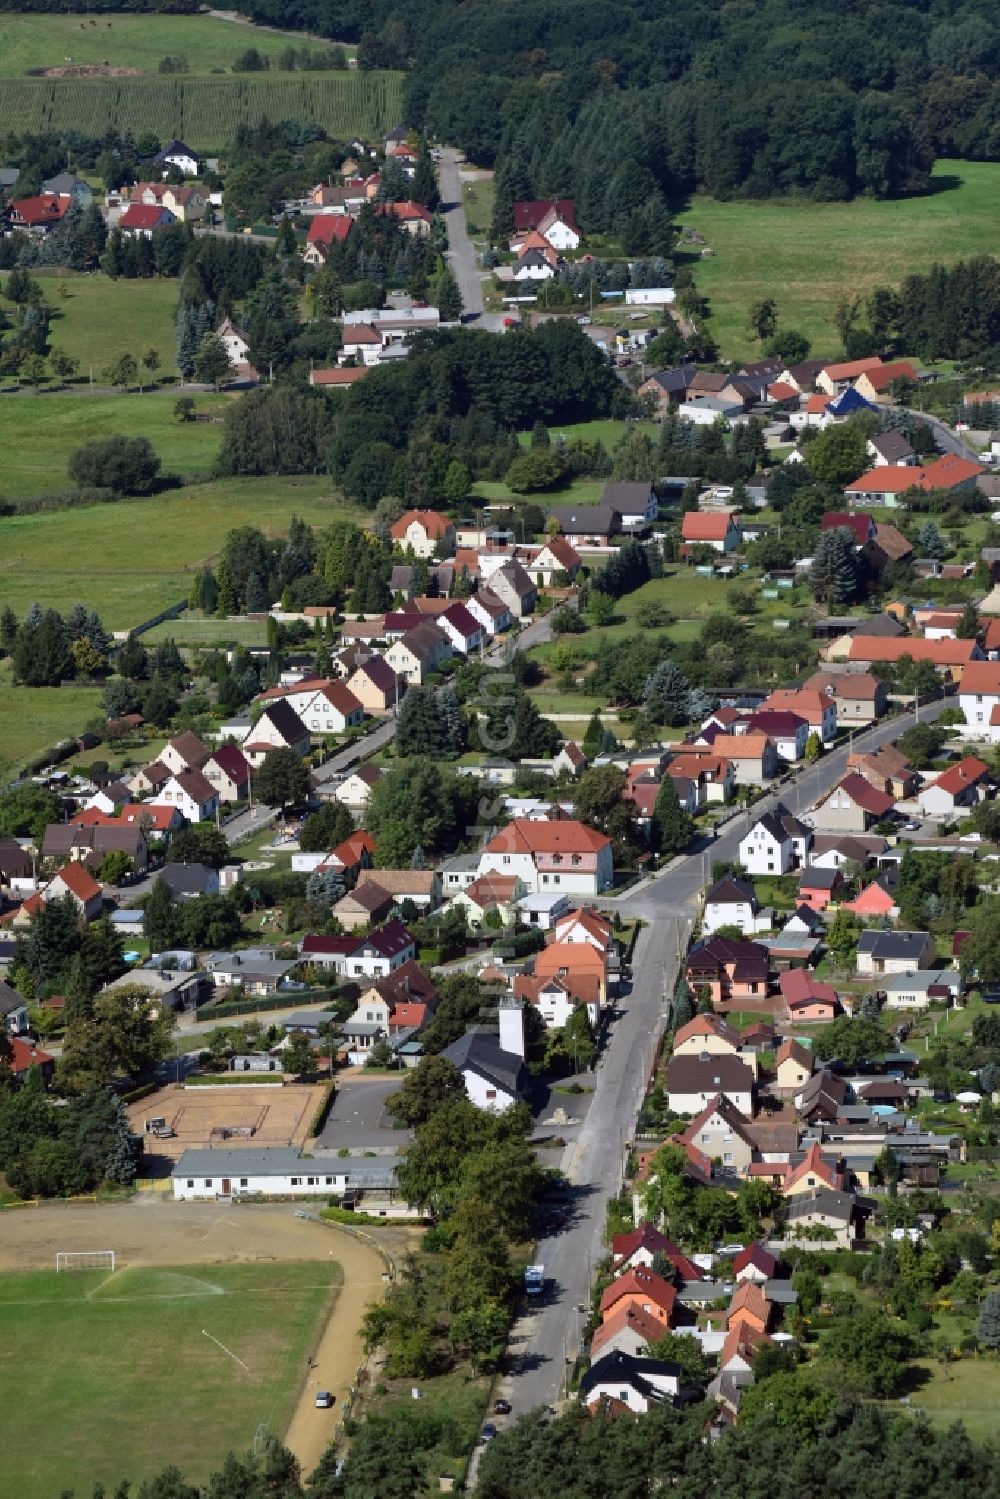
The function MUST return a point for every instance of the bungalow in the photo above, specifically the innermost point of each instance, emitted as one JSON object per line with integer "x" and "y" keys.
{"x": 715, "y": 529}
{"x": 853, "y": 805}
{"x": 959, "y": 786}
{"x": 731, "y": 902}
{"x": 192, "y": 793}
{"x": 979, "y": 698}
{"x": 807, "y": 998}
{"x": 721, "y": 1133}
{"x": 278, "y": 727}
{"x": 693, "y": 1082}
{"x": 883, "y": 484}
{"x": 818, "y": 887}
{"x": 894, "y": 952}
{"x": 588, "y": 525}
{"x": 427, "y": 533}
{"x": 75, "y": 881}
{"x": 914, "y": 990}
{"x": 729, "y": 971}
{"x": 635, "y": 1384}
{"x": 228, "y": 771}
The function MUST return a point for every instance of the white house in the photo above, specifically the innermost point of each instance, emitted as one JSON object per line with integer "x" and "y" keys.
{"x": 234, "y": 342}
{"x": 355, "y": 789}
{"x": 915, "y": 989}
{"x": 424, "y": 532}
{"x": 732, "y": 902}
{"x": 979, "y": 699}
{"x": 564, "y": 856}
{"x": 178, "y": 155}
{"x": 493, "y": 1067}
{"x": 192, "y": 793}
{"x": 381, "y": 953}
{"x": 635, "y": 1382}
{"x": 960, "y": 786}
{"x": 768, "y": 848}
{"x": 693, "y": 1082}
{"x": 332, "y": 709}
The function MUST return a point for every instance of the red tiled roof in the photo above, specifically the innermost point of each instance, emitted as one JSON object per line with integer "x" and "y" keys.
{"x": 76, "y": 879}
{"x": 25, "y": 1054}
{"x": 145, "y": 216}
{"x": 522, "y": 835}
{"x": 699, "y": 525}
{"x": 329, "y": 227}
{"x": 433, "y": 522}
{"x": 938, "y": 652}
{"x": 340, "y": 376}
{"x": 958, "y": 777}
{"x": 44, "y": 208}
{"x": 798, "y": 986}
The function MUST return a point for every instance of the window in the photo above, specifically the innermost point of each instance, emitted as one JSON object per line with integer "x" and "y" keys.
{"x": 491, "y": 1092}
{"x": 244, "y": 1181}
{"x": 329, "y": 1181}
{"x": 296, "y": 1181}
{"x": 208, "y": 1181}
{"x": 727, "y": 1157}
{"x": 556, "y": 879}
{"x": 190, "y": 1182}
{"x": 311, "y": 1181}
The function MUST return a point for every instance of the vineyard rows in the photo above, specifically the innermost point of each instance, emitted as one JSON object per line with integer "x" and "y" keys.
{"x": 204, "y": 112}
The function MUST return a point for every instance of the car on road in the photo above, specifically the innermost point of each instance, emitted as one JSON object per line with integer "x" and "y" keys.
{"x": 324, "y": 1400}
{"x": 488, "y": 1432}
{"x": 501, "y": 1407}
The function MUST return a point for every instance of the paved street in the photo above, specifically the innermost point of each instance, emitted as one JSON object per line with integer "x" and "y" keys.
{"x": 461, "y": 253}
{"x": 545, "y": 1335}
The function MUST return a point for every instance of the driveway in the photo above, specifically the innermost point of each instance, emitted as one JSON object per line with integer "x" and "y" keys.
{"x": 461, "y": 251}
{"x": 358, "y": 1119}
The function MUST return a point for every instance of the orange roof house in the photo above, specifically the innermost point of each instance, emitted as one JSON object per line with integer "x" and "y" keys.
{"x": 643, "y": 1288}
{"x": 707, "y": 527}
{"x": 573, "y": 960}
{"x": 626, "y": 1317}
{"x": 749, "y": 1308}
{"x": 945, "y": 655}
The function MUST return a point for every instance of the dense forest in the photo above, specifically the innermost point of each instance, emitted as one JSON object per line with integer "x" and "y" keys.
{"x": 627, "y": 109}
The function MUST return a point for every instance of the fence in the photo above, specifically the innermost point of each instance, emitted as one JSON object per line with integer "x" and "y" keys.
{"x": 171, "y": 612}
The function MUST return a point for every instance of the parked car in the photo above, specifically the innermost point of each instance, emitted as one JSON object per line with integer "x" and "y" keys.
{"x": 501, "y": 1407}
{"x": 324, "y": 1400}
{"x": 911, "y": 827}
{"x": 489, "y": 1431}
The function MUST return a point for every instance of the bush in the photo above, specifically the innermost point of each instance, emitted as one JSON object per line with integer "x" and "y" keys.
{"x": 125, "y": 465}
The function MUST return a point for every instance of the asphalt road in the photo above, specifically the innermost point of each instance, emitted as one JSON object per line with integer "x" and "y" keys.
{"x": 947, "y": 440}
{"x": 546, "y": 1335}
{"x": 461, "y": 252}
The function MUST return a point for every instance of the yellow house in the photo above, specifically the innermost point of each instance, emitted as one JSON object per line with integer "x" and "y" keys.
{"x": 794, "y": 1067}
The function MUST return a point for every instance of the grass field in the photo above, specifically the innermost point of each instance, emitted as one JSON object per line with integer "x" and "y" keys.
{"x": 968, "y": 1391}
{"x": 205, "y": 112}
{"x": 98, "y": 319}
{"x": 132, "y": 559}
{"x": 31, "y": 42}
{"x": 123, "y": 1382}
{"x": 34, "y": 717}
{"x": 198, "y": 632}
{"x": 808, "y": 256}
{"x": 39, "y": 432}
{"x": 477, "y": 199}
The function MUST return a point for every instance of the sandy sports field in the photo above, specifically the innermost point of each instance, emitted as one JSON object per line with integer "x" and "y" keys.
{"x": 276, "y": 1115}
{"x": 152, "y": 1229}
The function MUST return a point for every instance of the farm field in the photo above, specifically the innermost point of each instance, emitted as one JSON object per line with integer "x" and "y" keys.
{"x": 131, "y": 559}
{"x": 808, "y": 256}
{"x": 98, "y": 319}
{"x": 205, "y": 112}
{"x": 38, "y": 432}
{"x": 30, "y": 42}
{"x": 34, "y": 717}
{"x": 123, "y": 1360}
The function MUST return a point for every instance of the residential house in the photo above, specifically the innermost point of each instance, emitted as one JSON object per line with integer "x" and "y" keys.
{"x": 563, "y": 855}
{"x": 822, "y": 1098}
{"x": 788, "y": 732}
{"x": 793, "y": 1069}
{"x": 729, "y": 971}
{"x": 492, "y": 612}
{"x": 894, "y": 952}
{"x": 731, "y": 902}
{"x": 184, "y": 752}
{"x": 420, "y": 652}
{"x": 189, "y": 881}
{"x": 68, "y": 185}
{"x": 583, "y": 967}
{"x": 853, "y": 806}
{"x": 818, "y": 887}
{"x": 643, "y": 1244}
{"x": 228, "y": 771}
{"x": 255, "y": 970}
{"x": 234, "y": 341}
{"x": 707, "y": 1035}
{"x": 462, "y": 628}
{"x": 513, "y": 587}
{"x": 644, "y": 1289}
{"x": 25, "y": 1056}
{"x": 769, "y": 847}
{"x": 422, "y": 887}
{"x": 887, "y": 768}
{"x": 494, "y": 892}
{"x": 192, "y": 793}
{"x": 693, "y": 1082}
{"x": 427, "y": 533}
{"x": 142, "y": 221}
{"x": 806, "y": 997}
{"x": 884, "y": 484}
{"x": 705, "y": 411}
{"x": 861, "y": 527}
{"x": 636, "y": 503}
{"x": 361, "y": 908}
{"x": 359, "y": 341}
{"x": 979, "y": 699}
{"x": 376, "y": 686}
{"x": 326, "y": 230}
{"x": 536, "y": 262}
{"x": 859, "y": 698}
{"x": 713, "y": 777}
{"x": 381, "y": 952}
{"x": 354, "y": 791}
{"x": 150, "y": 778}
{"x": 584, "y": 924}
{"x": 875, "y": 384}
{"x": 177, "y": 154}
{"x": 413, "y": 217}
{"x": 960, "y": 786}
{"x": 495, "y": 1079}
{"x": 750, "y": 1309}
{"x": 667, "y": 388}
{"x": 13, "y": 1010}
{"x": 553, "y": 218}
{"x": 569, "y": 759}
{"x": 91, "y": 843}
{"x": 818, "y": 710}
{"x": 75, "y": 881}
{"x": 587, "y": 525}
{"x": 721, "y": 1133}
{"x": 754, "y": 757}
{"x": 619, "y": 1381}
{"x": 877, "y": 901}
{"x": 715, "y": 529}
{"x": 627, "y": 1329}
{"x": 890, "y": 447}
{"x": 812, "y": 1171}
{"x": 834, "y": 378}
{"x": 278, "y": 727}
{"x": 188, "y": 205}
{"x": 555, "y": 558}
{"x": 333, "y": 709}
{"x": 835, "y": 1212}
{"x": 915, "y": 990}
{"x": 37, "y": 215}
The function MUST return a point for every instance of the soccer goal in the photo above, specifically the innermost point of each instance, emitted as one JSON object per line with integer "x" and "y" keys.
{"x": 84, "y": 1259}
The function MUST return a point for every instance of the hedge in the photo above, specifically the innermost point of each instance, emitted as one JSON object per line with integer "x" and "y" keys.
{"x": 322, "y": 1113}
{"x": 251, "y": 1006}
{"x": 143, "y": 1092}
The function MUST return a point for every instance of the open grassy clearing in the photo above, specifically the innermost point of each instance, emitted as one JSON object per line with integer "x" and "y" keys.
{"x": 196, "y": 631}
{"x": 580, "y": 492}
{"x": 98, "y": 319}
{"x": 967, "y": 1391}
{"x": 205, "y": 112}
{"x": 133, "y": 41}
{"x": 34, "y": 717}
{"x": 39, "y": 432}
{"x": 602, "y": 430}
{"x": 808, "y": 256}
{"x": 477, "y": 198}
{"x": 130, "y": 560}
{"x": 120, "y": 1363}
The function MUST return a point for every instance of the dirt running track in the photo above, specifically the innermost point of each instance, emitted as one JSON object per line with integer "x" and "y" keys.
{"x": 153, "y": 1230}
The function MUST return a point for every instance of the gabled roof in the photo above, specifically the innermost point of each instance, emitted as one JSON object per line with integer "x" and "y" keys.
{"x": 389, "y": 941}
{"x": 145, "y": 216}
{"x": 698, "y": 525}
{"x": 748, "y": 1300}
{"x": 844, "y": 520}
{"x": 791, "y": 1050}
{"x": 25, "y": 1055}
{"x": 981, "y": 677}
{"x": 737, "y": 1122}
{"x": 960, "y": 777}
{"x": 798, "y": 986}
{"x": 852, "y": 368}
{"x": 196, "y": 785}
{"x": 627, "y": 1315}
{"x": 707, "y": 1025}
{"x": 481, "y": 1053}
{"x": 814, "y": 1165}
{"x": 77, "y": 880}
{"x": 45, "y": 208}
{"x": 901, "y": 369}
{"x": 190, "y": 748}
{"x": 620, "y": 1369}
{"x": 756, "y": 1255}
{"x": 232, "y": 761}
{"x": 864, "y": 795}
{"x": 326, "y": 228}
{"x": 640, "y": 1281}
{"x": 566, "y": 836}
{"x": 529, "y": 213}
{"x": 730, "y": 891}
{"x": 892, "y": 446}
{"x": 284, "y": 719}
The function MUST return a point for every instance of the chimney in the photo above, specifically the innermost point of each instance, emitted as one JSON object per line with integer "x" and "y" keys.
{"x": 511, "y": 1016}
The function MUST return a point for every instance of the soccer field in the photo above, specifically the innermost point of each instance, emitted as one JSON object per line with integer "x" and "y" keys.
{"x": 110, "y": 1376}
